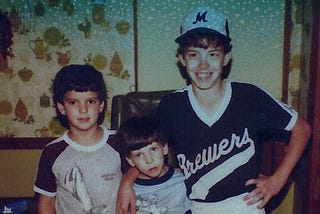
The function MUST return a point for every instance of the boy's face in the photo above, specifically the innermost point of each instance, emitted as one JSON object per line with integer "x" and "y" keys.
{"x": 149, "y": 160}
{"x": 205, "y": 66}
{"x": 82, "y": 109}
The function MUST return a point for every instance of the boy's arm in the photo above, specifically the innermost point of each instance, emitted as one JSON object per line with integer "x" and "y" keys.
{"x": 267, "y": 187}
{"x": 126, "y": 196}
{"x": 46, "y": 204}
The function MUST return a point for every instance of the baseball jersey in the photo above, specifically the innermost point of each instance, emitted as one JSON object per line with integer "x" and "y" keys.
{"x": 84, "y": 179}
{"x": 166, "y": 194}
{"x": 218, "y": 153}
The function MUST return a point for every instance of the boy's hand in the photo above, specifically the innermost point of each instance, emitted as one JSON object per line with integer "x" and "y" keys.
{"x": 126, "y": 200}
{"x": 266, "y": 188}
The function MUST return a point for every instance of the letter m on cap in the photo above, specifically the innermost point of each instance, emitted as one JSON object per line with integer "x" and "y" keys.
{"x": 200, "y": 17}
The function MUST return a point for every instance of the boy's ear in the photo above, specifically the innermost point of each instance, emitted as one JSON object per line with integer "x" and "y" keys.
{"x": 227, "y": 58}
{"x": 130, "y": 162}
{"x": 165, "y": 149}
{"x": 101, "y": 106}
{"x": 182, "y": 59}
{"x": 61, "y": 108}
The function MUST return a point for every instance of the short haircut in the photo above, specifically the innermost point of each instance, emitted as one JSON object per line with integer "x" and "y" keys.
{"x": 204, "y": 40}
{"x": 79, "y": 78}
{"x": 138, "y": 132}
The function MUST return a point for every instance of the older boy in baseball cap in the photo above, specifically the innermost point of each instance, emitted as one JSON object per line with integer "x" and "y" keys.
{"x": 215, "y": 125}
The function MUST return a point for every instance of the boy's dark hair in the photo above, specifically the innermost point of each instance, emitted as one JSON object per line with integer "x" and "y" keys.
{"x": 204, "y": 40}
{"x": 79, "y": 78}
{"x": 138, "y": 132}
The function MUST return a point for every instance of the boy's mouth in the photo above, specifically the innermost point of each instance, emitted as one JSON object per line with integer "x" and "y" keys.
{"x": 153, "y": 169}
{"x": 203, "y": 75}
{"x": 84, "y": 119}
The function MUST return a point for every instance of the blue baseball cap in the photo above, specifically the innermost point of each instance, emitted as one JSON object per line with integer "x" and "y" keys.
{"x": 204, "y": 20}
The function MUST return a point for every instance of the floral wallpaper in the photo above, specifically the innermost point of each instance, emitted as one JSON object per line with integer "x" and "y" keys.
{"x": 48, "y": 35}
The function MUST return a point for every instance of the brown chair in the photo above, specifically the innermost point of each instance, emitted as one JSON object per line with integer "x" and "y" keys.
{"x": 134, "y": 104}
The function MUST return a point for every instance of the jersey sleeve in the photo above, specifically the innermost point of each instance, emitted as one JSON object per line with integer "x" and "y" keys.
{"x": 275, "y": 114}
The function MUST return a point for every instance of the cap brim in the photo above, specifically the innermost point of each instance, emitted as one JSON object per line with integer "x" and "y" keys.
{"x": 201, "y": 30}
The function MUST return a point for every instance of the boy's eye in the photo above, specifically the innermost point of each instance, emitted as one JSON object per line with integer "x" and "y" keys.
{"x": 154, "y": 148}
{"x": 72, "y": 102}
{"x": 138, "y": 155}
{"x": 214, "y": 54}
{"x": 92, "y": 101}
{"x": 192, "y": 54}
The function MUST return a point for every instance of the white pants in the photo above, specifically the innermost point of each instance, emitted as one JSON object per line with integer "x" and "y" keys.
{"x": 228, "y": 206}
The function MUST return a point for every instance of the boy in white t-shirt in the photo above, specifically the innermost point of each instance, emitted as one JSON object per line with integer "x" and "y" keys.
{"x": 79, "y": 171}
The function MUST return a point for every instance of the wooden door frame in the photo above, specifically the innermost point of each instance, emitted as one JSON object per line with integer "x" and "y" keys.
{"x": 311, "y": 68}
{"x": 313, "y": 203}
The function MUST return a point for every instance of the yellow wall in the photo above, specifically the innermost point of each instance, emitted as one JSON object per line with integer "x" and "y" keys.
{"x": 286, "y": 207}
{"x": 17, "y": 172}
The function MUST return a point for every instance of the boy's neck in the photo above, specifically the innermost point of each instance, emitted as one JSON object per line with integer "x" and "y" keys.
{"x": 86, "y": 138}
{"x": 209, "y": 100}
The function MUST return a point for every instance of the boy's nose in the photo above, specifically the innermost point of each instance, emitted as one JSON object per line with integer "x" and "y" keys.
{"x": 148, "y": 158}
{"x": 83, "y": 108}
{"x": 203, "y": 63}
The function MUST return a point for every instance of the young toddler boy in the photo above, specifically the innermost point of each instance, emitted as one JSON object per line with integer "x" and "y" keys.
{"x": 79, "y": 171}
{"x": 159, "y": 188}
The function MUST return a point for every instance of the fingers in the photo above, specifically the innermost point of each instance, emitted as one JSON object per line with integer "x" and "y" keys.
{"x": 259, "y": 195}
{"x": 124, "y": 210}
{"x": 263, "y": 202}
{"x": 254, "y": 197}
{"x": 256, "y": 181}
{"x": 250, "y": 182}
{"x": 258, "y": 200}
{"x": 266, "y": 188}
{"x": 121, "y": 210}
{"x": 132, "y": 209}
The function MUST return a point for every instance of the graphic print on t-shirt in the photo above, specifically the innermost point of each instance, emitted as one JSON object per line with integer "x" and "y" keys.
{"x": 149, "y": 204}
{"x": 74, "y": 184}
